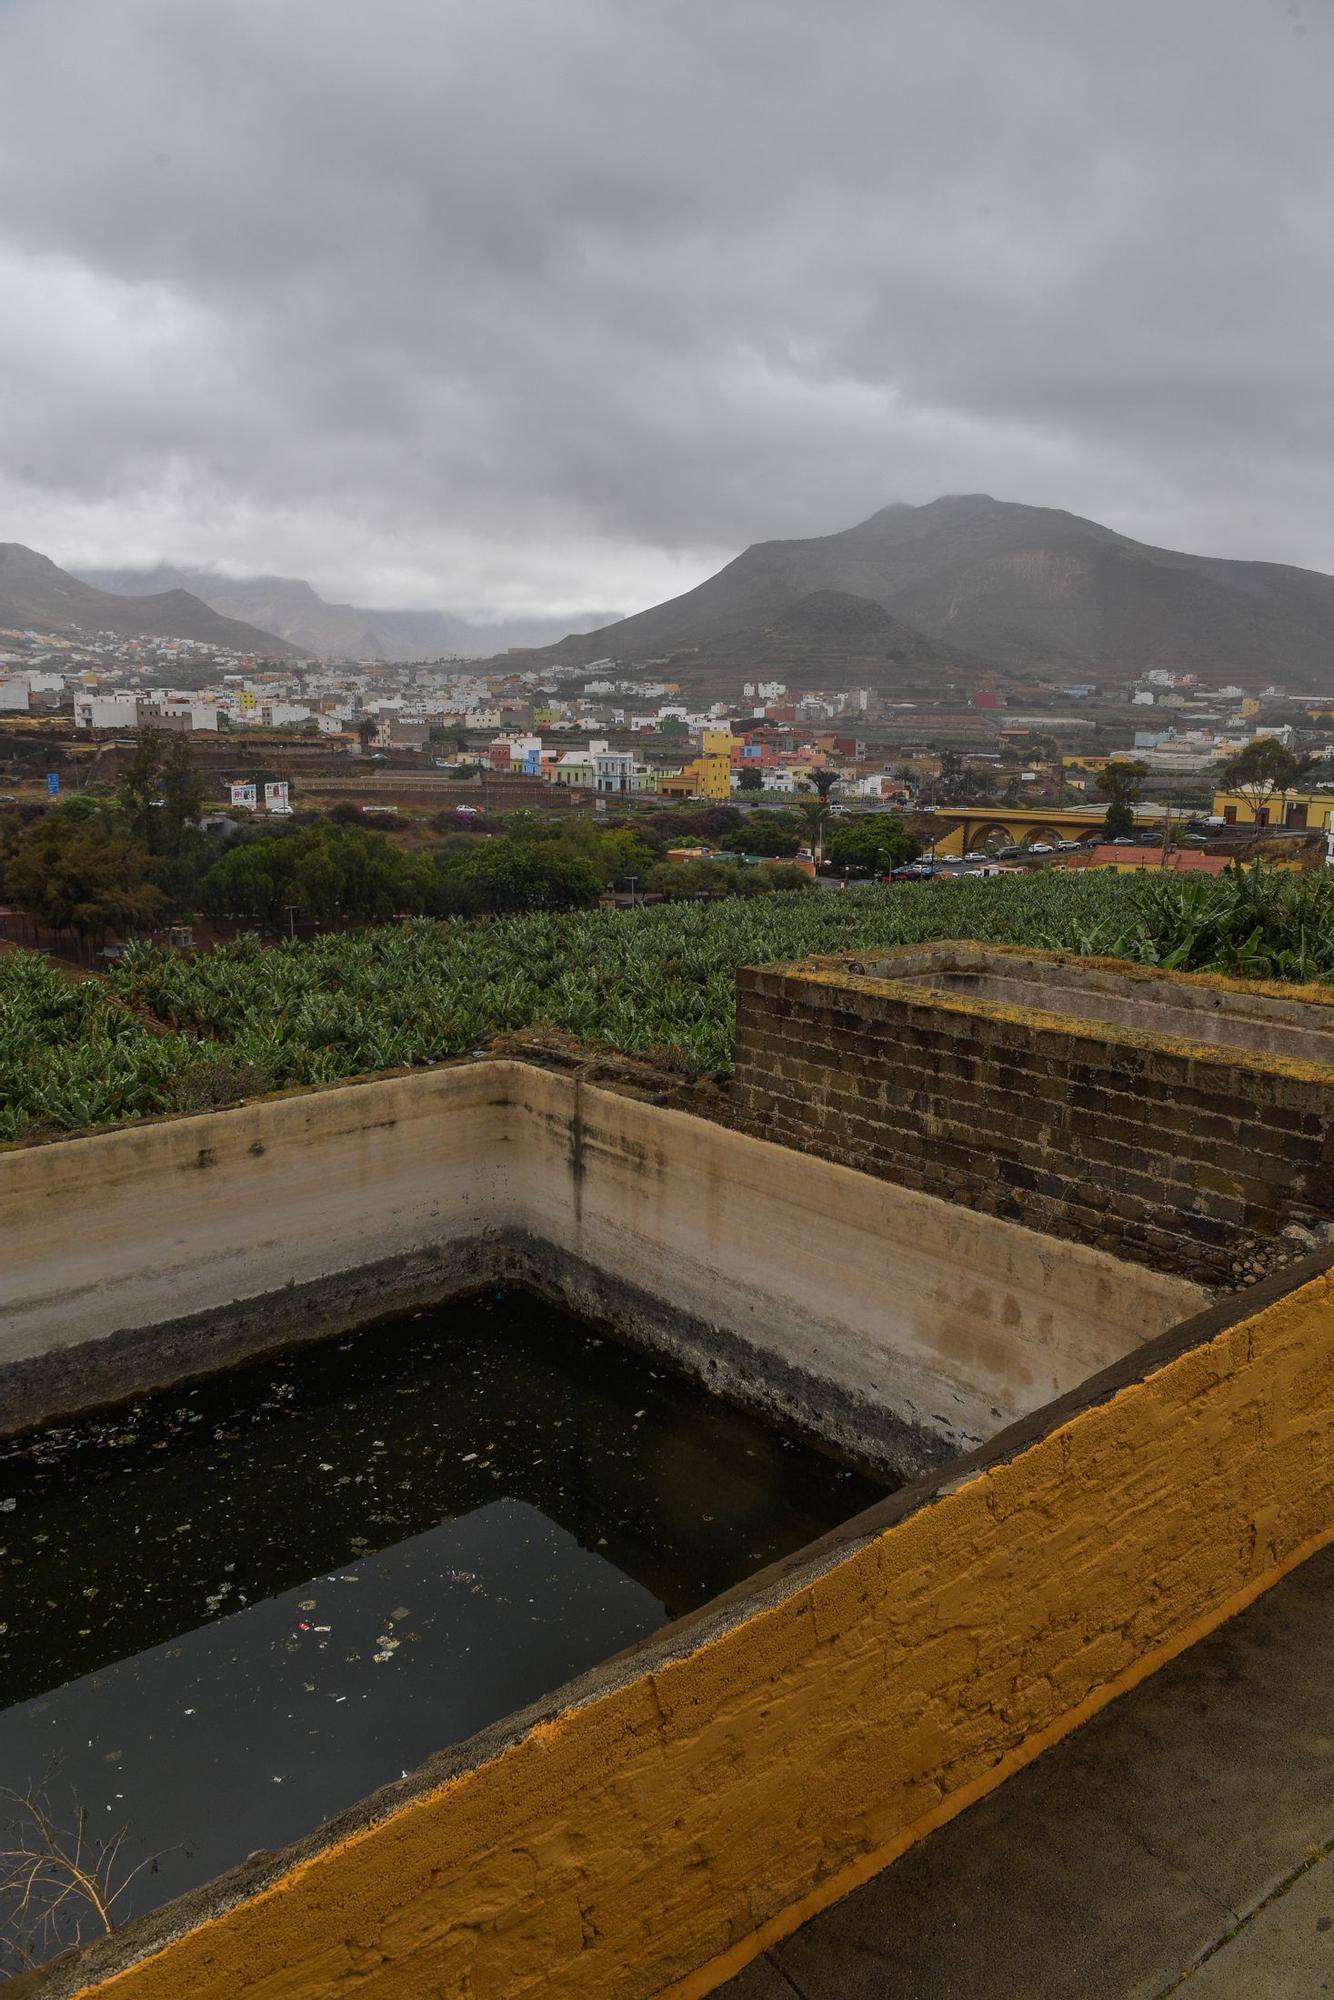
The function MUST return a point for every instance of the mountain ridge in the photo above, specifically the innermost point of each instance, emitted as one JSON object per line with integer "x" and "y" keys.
{"x": 37, "y": 595}
{"x": 1027, "y": 590}
{"x": 291, "y": 607}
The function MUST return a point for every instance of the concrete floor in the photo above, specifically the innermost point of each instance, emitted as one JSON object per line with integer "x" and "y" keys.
{"x": 1177, "y": 1844}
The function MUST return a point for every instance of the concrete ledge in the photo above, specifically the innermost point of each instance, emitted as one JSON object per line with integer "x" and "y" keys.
{"x": 911, "y": 1327}
{"x": 661, "y": 1820}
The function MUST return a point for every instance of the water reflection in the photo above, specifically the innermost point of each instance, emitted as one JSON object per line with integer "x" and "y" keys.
{"x": 229, "y": 1612}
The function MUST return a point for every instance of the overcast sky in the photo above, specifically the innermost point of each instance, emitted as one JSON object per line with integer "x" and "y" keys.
{"x": 539, "y": 305}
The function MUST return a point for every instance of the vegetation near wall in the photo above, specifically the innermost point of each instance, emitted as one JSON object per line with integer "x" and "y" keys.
{"x": 658, "y": 981}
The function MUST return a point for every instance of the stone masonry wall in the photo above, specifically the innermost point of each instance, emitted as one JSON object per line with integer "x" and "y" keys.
{"x": 1191, "y": 1160}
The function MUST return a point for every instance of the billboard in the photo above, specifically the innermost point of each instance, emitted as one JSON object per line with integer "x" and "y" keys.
{"x": 243, "y": 795}
{"x": 275, "y": 797}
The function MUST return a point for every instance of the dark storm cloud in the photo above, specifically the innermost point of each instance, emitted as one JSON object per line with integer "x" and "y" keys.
{"x": 551, "y": 302}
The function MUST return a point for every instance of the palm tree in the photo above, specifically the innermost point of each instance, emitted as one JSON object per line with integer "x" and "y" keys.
{"x": 815, "y": 817}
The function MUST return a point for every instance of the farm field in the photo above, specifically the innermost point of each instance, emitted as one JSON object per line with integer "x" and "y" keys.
{"x": 166, "y": 1032}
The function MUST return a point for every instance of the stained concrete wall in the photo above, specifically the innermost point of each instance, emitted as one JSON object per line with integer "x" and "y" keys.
{"x": 649, "y": 1832}
{"x": 1103, "y": 1130}
{"x": 889, "y": 1323}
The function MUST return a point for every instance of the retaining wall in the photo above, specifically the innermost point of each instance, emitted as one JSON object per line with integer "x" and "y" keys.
{"x": 1096, "y": 1117}
{"x": 649, "y": 1830}
{"x": 890, "y": 1324}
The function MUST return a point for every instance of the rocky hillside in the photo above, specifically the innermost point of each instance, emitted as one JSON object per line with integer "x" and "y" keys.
{"x": 37, "y": 596}
{"x": 1031, "y": 589}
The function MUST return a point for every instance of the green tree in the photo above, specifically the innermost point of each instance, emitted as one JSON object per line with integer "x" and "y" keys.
{"x": 250, "y": 880}
{"x": 774, "y": 834}
{"x": 772, "y": 875}
{"x": 877, "y": 842}
{"x": 691, "y": 881}
{"x": 141, "y": 787}
{"x": 750, "y": 780}
{"x": 83, "y": 874}
{"x": 1264, "y": 769}
{"x": 324, "y": 870}
{"x": 1120, "y": 783}
{"x": 507, "y": 875}
{"x": 161, "y": 796}
{"x": 815, "y": 818}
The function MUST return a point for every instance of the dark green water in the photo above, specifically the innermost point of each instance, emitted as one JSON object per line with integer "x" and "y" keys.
{"x": 226, "y": 1613}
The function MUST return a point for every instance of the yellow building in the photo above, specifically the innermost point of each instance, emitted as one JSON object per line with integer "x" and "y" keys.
{"x": 1099, "y": 762}
{"x": 1293, "y": 809}
{"x": 703, "y": 778}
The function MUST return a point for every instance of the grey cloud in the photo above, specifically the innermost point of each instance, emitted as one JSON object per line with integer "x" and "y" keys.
{"x": 528, "y": 306}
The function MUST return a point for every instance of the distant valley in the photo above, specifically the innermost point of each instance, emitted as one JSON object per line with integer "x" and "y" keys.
{"x": 291, "y": 609}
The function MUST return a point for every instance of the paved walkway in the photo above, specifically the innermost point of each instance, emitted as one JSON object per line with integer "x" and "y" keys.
{"x": 1179, "y": 1844}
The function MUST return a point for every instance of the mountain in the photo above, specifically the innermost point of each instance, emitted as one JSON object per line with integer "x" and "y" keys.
{"x": 289, "y": 606}
{"x": 37, "y": 596}
{"x": 830, "y": 639}
{"x": 1031, "y": 589}
{"x": 281, "y": 604}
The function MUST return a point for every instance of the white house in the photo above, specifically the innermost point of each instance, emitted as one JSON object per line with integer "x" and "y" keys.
{"x": 106, "y": 711}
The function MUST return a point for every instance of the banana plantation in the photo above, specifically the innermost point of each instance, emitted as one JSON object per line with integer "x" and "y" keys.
{"x": 165, "y": 1032}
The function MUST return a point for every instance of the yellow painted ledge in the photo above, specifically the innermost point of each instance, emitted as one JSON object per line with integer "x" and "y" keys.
{"x": 651, "y": 1839}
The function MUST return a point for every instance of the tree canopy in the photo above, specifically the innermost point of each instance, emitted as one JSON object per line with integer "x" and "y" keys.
{"x": 1263, "y": 767}
{"x": 83, "y": 872}
{"x": 1121, "y": 783}
{"x": 876, "y": 842}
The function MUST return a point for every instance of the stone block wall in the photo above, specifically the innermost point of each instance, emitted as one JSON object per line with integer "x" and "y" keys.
{"x": 1191, "y": 1159}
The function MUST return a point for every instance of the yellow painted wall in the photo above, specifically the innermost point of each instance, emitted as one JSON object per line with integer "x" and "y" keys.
{"x": 950, "y": 843}
{"x": 957, "y": 825}
{"x": 1319, "y": 806}
{"x": 702, "y": 778}
{"x": 650, "y": 1840}
{"x": 716, "y": 775}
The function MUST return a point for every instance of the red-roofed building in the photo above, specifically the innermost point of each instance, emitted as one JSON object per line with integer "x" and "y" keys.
{"x": 1133, "y": 860}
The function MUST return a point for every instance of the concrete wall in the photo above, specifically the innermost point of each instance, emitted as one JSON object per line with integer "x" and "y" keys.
{"x": 651, "y": 1830}
{"x": 1202, "y": 1008}
{"x": 1158, "y": 1148}
{"x": 889, "y": 1323}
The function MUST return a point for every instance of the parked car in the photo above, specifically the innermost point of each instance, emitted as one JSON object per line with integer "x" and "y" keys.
{"x": 1042, "y": 847}
{"x": 1150, "y": 839}
{"x": 1009, "y": 853}
{"x": 1068, "y": 846}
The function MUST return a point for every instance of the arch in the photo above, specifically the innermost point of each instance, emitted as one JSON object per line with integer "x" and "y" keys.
{"x": 988, "y": 833}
